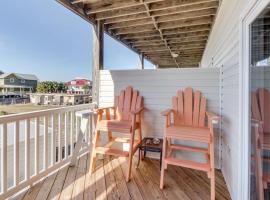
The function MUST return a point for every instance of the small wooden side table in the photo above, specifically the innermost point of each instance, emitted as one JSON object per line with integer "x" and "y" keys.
{"x": 150, "y": 147}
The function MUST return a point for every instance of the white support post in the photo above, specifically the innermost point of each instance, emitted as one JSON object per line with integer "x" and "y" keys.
{"x": 141, "y": 56}
{"x": 97, "y": 58}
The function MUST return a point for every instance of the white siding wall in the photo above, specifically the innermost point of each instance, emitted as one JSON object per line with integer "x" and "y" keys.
{"x": 222, "y": 51}
{"x": 157, "y": 87}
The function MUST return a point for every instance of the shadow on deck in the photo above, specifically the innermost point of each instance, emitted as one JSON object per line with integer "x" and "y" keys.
{"x": 108, "y": 182}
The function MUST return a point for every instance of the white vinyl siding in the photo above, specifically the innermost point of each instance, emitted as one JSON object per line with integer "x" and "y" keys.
{"x": 222, "y": 51}
{"x": 157, "y": 87}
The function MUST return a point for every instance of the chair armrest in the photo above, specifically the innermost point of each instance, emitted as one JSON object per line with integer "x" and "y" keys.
{"x": 137, "y": 111}
{"x": 212, "y": 117}
{"x": 167, "y": 112}
{"x": 100, "y": 110}
{"x": 256, "y": 123}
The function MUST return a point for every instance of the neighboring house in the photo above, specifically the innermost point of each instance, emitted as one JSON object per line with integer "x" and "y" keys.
{"x": 18, "y": 83}
{"x": 79, "y": 86}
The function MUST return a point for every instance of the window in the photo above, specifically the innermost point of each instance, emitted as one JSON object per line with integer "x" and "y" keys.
{"x": 22, "y": 81}
{"x": 11, "y": 80}
{"x": 259, "y": 108}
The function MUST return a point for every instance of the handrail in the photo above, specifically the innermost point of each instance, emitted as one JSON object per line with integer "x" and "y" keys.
{"x": 51, "y": 133}
{"x": 33, "y": 114}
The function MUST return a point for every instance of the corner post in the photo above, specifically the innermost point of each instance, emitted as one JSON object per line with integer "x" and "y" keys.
{"x": 141, "y": 56}
{"x": 98, "y": 53}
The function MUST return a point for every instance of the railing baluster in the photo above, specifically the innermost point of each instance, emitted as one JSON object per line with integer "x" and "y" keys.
{"x": 45, "y": 147}
{"x": 77, "y": 128}
{"x": 53, "y": 140}
{"x": 71, "y": 131}
{"x": 66, "y": 133}
{"x": 27, "y": 149}
{"x": 37, "y": 146}
{"x": 16, "y": 151}
{"x": 59, "y": 137}
{"x": 4, "y": 159}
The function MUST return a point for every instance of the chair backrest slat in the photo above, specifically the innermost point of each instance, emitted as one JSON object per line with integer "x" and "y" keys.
{"x": 128, "y": 100}
{"x": 121, "y": 104}
{"x": 264, "y": 106}
{"x": 134, "y": 100}
{"x": 202, "y": 112}
{"x": 189, "y": 111}
{"x": 116, "y": 111}
{"x": 188, "y": 101}
{"x": 139, "y": 102}
{"x": 180, "y": 107}
{"x": 196, "y": 110}
{"x": 255, "y": 110}
{"x": 127, "y": 103}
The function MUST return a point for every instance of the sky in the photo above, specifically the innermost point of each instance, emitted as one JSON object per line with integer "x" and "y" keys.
{"x": 44, "y": 38}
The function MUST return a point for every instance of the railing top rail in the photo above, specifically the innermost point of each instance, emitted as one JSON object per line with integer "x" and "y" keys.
{"x": 33, "y": 114}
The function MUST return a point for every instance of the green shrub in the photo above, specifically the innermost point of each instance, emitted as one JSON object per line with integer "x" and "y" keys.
{"x": 3, "y": 113}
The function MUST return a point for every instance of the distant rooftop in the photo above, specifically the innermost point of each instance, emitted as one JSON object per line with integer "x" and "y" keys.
{"x": 21, "y": 76}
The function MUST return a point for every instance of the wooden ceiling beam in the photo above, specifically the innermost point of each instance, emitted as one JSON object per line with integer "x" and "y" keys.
{"x": 163, "y": 13}
{"x": 186, "y": 7}
{"x": 109, "y": 5}
{"x": 186, "y": 23}
{"x": 128, "y": 18}
{"x": 186, "y": 15}
{"x": 168, "y": 34}
{"x": 118, "y": 13}
{"x": 191, "y": 41}
{"x": 175, "y": 50}
{"x": 131, "y": 30}
{"x": 188, "y": 30}
{"x": 168, "y": 18}
{"x": 172, "y": 40}
{"x": 164, "y": 5}
{"x": 171, "y": 43}
{"x": 135, "y": 23}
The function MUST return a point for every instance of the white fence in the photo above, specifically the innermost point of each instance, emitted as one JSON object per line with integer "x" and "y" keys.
{"x": 34, "y": 144}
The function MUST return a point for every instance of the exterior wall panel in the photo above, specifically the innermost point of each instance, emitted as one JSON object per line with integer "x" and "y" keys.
{"x": 222, "y": 51}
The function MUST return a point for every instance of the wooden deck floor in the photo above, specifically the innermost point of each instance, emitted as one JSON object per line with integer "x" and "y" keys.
{"x": 108, "y": 183}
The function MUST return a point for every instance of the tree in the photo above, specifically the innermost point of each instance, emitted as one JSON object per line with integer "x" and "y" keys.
{"x": 51, "y": 87}
{"x": 86, "y": 89}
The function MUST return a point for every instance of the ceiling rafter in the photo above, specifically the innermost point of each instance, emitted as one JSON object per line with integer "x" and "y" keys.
{"x": 160, "y": 32}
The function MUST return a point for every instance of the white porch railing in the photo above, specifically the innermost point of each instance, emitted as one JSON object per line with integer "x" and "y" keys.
{"x": 34, "y": 144}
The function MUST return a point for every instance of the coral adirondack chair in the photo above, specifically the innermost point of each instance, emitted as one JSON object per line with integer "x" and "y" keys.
{"x": 260, "y": 108}
{"x": 189, "y": 124}
{"x": 126, "y": 120}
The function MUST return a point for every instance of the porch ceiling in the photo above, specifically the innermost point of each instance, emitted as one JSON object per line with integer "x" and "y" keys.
{"x": 157, "y": 28}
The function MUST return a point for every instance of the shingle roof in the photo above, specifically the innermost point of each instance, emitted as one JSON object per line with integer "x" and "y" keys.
{"x": 21, "y": 76}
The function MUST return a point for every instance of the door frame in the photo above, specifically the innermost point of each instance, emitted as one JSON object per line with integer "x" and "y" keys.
{"x": 254, "y": 8}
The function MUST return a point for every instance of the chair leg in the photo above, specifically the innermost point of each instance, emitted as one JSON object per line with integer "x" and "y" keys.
{"x": 213, "y": 184}
{"x": 212, "y": 166}
{"x": 169, "y": 151}
{"x": 164, "y": 152}
{"x": 93, "y": 153}
{"x": 130, "y": 156}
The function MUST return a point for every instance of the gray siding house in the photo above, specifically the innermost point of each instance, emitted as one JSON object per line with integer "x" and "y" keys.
{"x": 19, "y": 83}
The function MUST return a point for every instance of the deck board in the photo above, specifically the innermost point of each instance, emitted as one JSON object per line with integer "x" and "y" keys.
{"x": 108, "y": 182}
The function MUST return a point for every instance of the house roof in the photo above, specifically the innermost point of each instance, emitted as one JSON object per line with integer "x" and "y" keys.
{"x": 159, "y": 29}
{"x": 21, "y": 76}
{"x": 79, "y": 82}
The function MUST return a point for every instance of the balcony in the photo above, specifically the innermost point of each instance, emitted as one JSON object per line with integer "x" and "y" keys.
{"x": 34, "y": 168}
